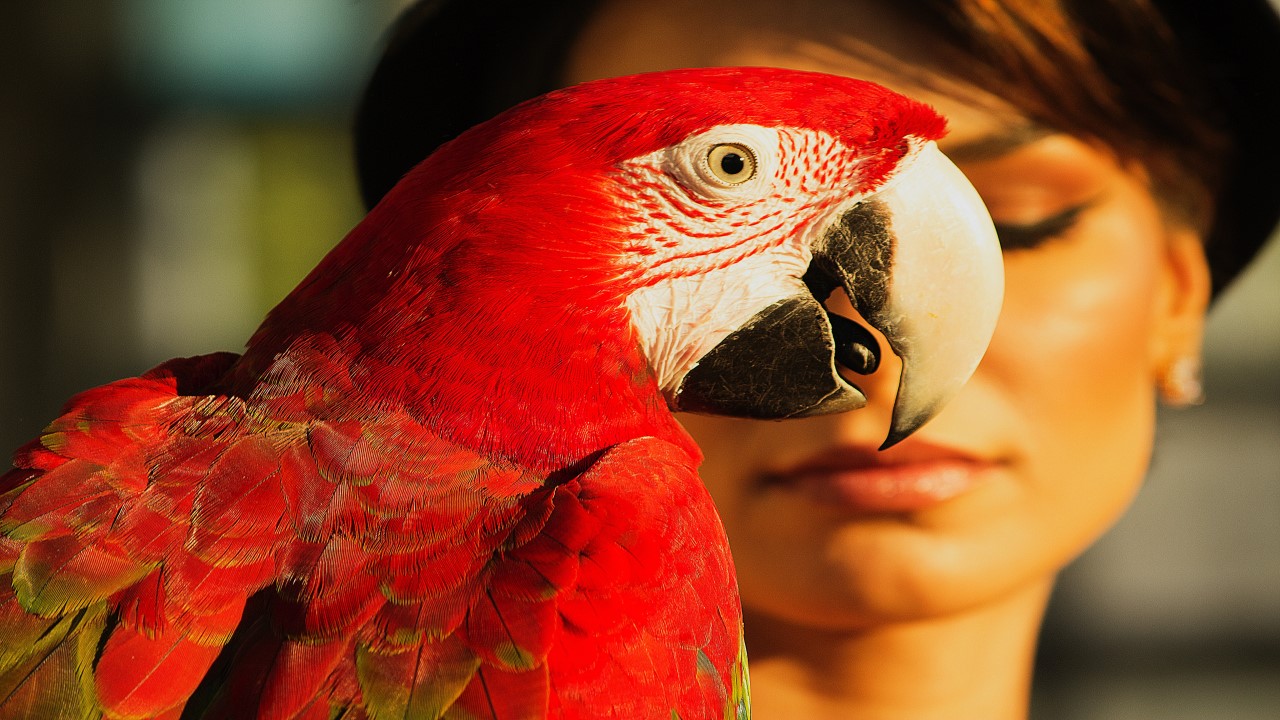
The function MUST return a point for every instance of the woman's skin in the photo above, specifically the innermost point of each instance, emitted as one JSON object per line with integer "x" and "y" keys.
{"x": 911, "y": 583}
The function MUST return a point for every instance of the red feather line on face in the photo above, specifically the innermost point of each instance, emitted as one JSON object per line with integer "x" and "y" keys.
{"x": 666, "y": 215}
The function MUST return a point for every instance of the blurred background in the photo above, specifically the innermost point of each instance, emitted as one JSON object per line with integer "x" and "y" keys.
{"x": 169, "y": 170}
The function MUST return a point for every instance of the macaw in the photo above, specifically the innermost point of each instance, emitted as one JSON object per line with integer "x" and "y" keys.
{"x": 444, "y": 478}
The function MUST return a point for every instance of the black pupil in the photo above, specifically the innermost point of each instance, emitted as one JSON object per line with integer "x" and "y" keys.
{"x": 732, "y": 163}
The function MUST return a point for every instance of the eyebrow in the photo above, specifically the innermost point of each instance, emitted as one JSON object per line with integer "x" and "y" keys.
{"x": 990, "y": 147}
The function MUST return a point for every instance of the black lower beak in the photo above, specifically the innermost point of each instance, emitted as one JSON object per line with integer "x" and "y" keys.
{"x": 778, "y": 365}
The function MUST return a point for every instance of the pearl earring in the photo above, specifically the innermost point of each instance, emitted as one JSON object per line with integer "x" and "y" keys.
{"x": 1180, "y": 384}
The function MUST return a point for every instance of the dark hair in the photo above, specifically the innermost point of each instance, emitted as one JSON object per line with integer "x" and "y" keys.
{"x": 1187, "y": 89}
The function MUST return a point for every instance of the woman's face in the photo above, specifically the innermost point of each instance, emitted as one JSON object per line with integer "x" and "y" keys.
{"x": 1047, "y": 444}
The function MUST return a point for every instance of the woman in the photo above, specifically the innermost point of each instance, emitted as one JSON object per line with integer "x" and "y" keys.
{"x": 911, "y": 583}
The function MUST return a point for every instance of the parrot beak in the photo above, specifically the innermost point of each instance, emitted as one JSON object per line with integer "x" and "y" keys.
{"x": 921, "y": 263}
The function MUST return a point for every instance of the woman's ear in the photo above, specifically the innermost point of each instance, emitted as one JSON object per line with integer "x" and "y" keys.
{"x": 1181, "y": 305}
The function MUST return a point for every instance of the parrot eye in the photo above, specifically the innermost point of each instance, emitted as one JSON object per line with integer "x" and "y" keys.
{"x": 726, "y": 163}
{"x": 731, "y": 163}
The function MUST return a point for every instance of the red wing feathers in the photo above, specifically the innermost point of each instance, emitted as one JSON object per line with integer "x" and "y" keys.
{"x": 178, "y": 553}
{"x": 655, "y": 593}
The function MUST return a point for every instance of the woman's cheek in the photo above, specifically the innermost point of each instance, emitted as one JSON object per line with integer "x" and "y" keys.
{"x": 1071, "y": 353}
{"x": 1080, "y": 311}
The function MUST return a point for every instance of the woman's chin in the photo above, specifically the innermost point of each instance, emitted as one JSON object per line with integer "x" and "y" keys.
{"x": 823, "y": 564}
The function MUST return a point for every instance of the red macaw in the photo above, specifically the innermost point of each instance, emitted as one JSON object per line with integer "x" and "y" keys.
{"x": 444, "y": 479}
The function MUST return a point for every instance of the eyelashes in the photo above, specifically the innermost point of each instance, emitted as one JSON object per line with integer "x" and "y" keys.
{"x": 1033, "y": 235}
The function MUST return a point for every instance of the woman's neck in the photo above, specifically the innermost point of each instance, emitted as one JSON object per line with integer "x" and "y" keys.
{"x": 975, "y": 665}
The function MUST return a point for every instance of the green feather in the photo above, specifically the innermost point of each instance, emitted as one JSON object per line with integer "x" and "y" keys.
{"x": 740, "y": 708}
{"x": 420, "y": 682}
{"x": 52, "y": 678}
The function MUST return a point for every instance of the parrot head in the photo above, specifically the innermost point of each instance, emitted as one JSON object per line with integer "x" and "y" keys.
{"x": 666, "y": 241}
{"x": 742, "y": 229}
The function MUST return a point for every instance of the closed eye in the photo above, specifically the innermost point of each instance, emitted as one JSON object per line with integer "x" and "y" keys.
{"x": 1033, "y": 235}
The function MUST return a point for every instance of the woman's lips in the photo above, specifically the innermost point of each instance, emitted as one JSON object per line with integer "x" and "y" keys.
{"x": 907, "y": 478}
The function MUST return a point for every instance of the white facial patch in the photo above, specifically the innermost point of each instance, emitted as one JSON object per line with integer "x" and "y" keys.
{"x": 711, "y": 253}
{"x": 680, "y": 319}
